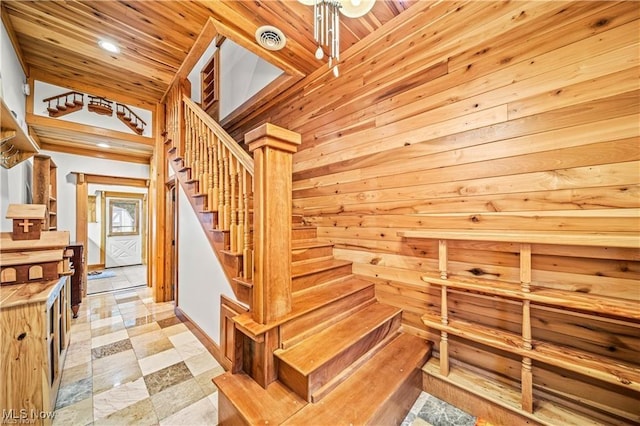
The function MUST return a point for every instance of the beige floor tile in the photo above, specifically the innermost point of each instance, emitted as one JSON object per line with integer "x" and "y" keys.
{"x": 105, "y": 321}
{"x": 174, "y": 329}
{"x": 143, "y": 329}
{"x": 117, "y": 398}
{"x": 159, "y": 361}
{"x": 201, "y": 362}
{"x": 205, "y": 380}
{"x": 124, "y": 373}
{"x": 73, "y": 374}
{"x": 101, "y": 331}
{"x": 139, "y": 414}
{"x": 80, "y": 413}
{"x": 112, "y": 363}
{"x": 201, "y": 413}
{"x": 176, "y": 397}
{"x": 109, "y": 338}
{"x": 147, "y": 348}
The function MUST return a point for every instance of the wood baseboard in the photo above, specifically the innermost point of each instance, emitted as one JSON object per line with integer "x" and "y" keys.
{"x": 96, "y": 267}
{"x": 472, "y": 403}
{"x": 211, "y": 346}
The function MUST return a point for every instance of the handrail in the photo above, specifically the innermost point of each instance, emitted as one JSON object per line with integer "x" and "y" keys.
{"x": 241, "y": 155}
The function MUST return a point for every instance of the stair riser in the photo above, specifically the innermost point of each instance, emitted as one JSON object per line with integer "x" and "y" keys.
{"x": 232, "y": 263}
{"x": 294, "y": 331}
{"x": 311, "y": 253}
{"x": 303, "y": 233}
{"x": 308, "y": 281}
{"x": 220, "y": 239}
{"x": 306, "y": 386}
{"x": 396, "y": 407}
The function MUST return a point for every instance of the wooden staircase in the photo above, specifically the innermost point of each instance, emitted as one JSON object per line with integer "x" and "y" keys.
{"x": 337, "y": 355}
{"x": 342, "y": 357}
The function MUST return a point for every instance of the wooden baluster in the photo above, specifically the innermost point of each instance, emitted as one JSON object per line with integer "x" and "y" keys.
{"x": 194, "y": 147}
{"x": 247, "y": 255}
{"x": 213, "y": 204}
{"x": 187, "y": 140}
{"x": 221, "y": 155}
{"x": 444, "y": 311}
{"x": 202, "y": 184}
{"x": 210, "y": 160}
{"x": 233, "y": 225}
{"x": 527, "y": 374}
{"x": 227, "y": 193}
{"x": 241, "y": 211}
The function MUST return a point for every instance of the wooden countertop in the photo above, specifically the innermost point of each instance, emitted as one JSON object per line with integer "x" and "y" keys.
{"x": 48, "y": 240}
{"x": 23, "y": 294}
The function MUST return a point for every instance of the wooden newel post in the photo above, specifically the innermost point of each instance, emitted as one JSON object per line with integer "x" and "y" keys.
{"x": 273, "y": 149}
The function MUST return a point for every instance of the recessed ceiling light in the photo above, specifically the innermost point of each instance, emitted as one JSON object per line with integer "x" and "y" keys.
{"x": 109, "y": 46}
{"x": 104, "y": 145}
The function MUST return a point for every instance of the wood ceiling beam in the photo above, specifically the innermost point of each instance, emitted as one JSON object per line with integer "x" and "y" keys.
{"x": 129, "y": 158}
{"x": 206, "y": 36}
{"x": 47, "y": 77}
{"x": 37, "y": 121}
{"x": 111, "y": 180}
{"x": 6, "y": 20}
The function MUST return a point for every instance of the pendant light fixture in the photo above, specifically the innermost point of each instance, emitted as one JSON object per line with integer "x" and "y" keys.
{"x": 326, "y": 25}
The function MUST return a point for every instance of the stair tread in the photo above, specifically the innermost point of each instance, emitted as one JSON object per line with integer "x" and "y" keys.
{"x": 265, "y": 406}
{"x": 307, "y": 300}
{"x": 334, "y": 339}
{"x": 363, "y": 394}
{"x": 304, "y": 268}
{"x": 311, "y": 243}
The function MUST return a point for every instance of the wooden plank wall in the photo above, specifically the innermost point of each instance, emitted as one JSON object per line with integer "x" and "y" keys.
{"x": 482, "y": 115}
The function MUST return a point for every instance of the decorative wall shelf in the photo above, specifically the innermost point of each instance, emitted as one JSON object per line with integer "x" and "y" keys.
{"x": 15, "y": 145}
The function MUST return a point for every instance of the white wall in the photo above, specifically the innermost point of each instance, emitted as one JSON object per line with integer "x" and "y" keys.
{"x": 68, "y": 163}
{"x": 15, "y": 188}
{"x": 84, "y": 116}
{"x": 242, "y": 75}
{"x": 15, "y": 183}
{"x": 201, "y": 279}
{"x": 12, "y": 78}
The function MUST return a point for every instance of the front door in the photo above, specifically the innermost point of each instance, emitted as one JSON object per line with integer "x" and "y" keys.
{"x": 124, "y": 237}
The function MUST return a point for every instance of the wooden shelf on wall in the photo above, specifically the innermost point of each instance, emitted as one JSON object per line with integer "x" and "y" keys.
{"x": 45, "y": 189}
{"x": 14, "y": 135}
{"x": 210, "y": 77}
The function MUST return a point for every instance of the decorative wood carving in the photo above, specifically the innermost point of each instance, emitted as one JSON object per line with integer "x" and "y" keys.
{"x": 64, "y": 104}
{"x": 100, "y": 105}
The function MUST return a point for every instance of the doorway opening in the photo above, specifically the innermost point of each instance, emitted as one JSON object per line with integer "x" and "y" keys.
{"x": 117, "y": 232}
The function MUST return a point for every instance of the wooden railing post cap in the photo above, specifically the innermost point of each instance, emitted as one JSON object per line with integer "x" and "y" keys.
{"x": 273, "y": 136}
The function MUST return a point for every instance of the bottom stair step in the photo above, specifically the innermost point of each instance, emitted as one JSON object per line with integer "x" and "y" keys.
{"x": 381, "y": 392}
{"x": 242, "y": 401}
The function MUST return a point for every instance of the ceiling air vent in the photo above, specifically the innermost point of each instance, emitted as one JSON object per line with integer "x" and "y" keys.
{"x": 270, "y": 38}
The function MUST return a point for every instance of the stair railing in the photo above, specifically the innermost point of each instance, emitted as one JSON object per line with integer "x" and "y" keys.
{"x": 251, "y": 196}
{"x": 224, "y": 173}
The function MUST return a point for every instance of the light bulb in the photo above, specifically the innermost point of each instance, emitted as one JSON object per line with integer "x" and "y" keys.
{"x": 335, "y": 71}
{"x": 319, "y": 53}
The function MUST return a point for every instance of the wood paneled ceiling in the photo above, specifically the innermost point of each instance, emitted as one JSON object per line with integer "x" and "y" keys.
{"x": 57, "y": 42}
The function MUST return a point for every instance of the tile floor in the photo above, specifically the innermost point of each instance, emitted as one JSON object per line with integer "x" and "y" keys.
{"x": 132, "y": 362}
{"x": 126, "y": 277}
